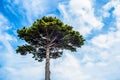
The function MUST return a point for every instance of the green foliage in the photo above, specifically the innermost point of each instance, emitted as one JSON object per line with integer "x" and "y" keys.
{"x": 48, "y": 32}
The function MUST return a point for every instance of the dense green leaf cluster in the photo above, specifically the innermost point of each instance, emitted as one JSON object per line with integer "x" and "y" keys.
{"x": 48, "y": 32}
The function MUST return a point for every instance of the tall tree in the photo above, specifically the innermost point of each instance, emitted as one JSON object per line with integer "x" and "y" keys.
{"x": 47, "y": 38}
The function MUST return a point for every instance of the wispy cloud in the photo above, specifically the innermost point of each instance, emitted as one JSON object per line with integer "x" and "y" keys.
{"x": 32, "y": 10}
{"x": 6, "y": 46}
{"x": 12, "y": 66}
{"x": 101, "y": 52}
{"x": 76, "y": 14}
{"x": 99, "y": 57}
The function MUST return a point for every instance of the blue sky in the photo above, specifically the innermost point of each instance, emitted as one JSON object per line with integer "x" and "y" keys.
{"x": 97, "y": 20}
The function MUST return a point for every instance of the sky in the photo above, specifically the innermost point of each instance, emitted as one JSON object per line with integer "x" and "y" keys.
{"x": 97, "y": 20}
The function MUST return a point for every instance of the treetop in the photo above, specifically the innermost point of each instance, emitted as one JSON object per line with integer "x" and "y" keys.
{"x": 48, "y": 32}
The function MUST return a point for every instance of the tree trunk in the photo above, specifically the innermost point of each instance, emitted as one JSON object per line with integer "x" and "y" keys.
{"x": 47, "y": 66}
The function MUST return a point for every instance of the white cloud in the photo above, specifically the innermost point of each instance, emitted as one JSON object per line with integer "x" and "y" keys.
{"x": 102, "y": 41}
{"x": 69, "y": 68}
{"x": 107, "y": 47}
{"x": 7, "y": 51}
{"x": 34, "y": 9}
{"x": 116, "y": 12}
{"x": 106, "y": 66}
{"x": 5, "y": 37}
{"x": 80, "y": 14}
{"x": 29, "y": 71}
{"x": 102, "y": 50}
{"x": 3, "y": 23}
{"x": 100, "y": 56}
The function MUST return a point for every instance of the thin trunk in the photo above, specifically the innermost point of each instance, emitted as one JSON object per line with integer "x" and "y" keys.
{"x": 47, "y": 66}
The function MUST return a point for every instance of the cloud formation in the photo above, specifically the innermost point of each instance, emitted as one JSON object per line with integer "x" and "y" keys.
{"x": 99, "y": 57}
{"x": 80, "y": 14}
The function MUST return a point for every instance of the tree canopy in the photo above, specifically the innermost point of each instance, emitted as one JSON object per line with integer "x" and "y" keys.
{"x": 48, "y": 32}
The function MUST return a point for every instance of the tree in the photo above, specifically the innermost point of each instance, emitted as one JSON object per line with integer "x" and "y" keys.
{"x": 47, "y": 38}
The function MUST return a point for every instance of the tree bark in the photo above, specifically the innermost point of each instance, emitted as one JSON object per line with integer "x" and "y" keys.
{"x": 47, "y": 66}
